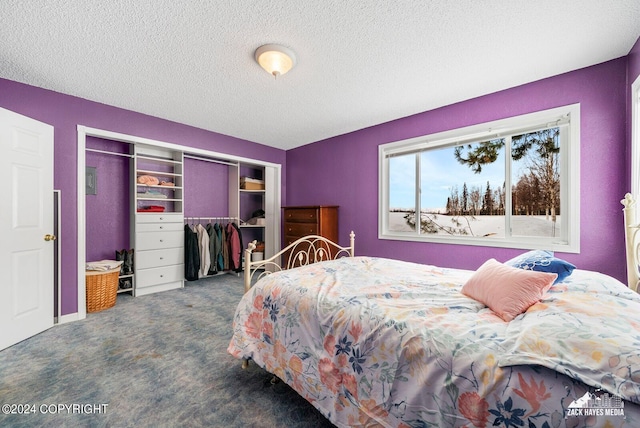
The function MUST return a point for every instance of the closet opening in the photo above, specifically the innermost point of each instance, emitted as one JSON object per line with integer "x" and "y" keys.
{"x": 204, "y": 185}
{"x": 108, "y": 204}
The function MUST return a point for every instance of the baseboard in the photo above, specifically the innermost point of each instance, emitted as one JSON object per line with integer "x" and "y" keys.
{"x": 63, "y": 319}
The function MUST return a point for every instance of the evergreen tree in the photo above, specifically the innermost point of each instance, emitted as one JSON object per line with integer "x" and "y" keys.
{"x": 488, "y": 200}
{"x": 465, "y": 199}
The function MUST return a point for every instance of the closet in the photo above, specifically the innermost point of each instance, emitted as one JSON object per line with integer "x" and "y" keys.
{"x": 107, "y": 196}
{"x": 157, "y": 220}
{"x": 215, "y": 233}
{"x": 156, "y": 189}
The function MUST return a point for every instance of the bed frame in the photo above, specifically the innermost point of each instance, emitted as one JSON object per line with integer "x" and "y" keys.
{"x": 632, "y": 241}
{"x": 304, "y": 251}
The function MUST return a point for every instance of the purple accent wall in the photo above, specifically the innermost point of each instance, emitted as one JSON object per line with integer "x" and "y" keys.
{"x": 65, "y": 112}
{"x": 634, "y": 62}
{"x": 108, "y": 211}
{"x": 206, "y": 189}
{"x": 344, "y": 170}
{"x": 633, "y": 71}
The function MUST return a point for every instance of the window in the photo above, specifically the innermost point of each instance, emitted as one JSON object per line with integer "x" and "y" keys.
{"x": 508, "y": 183}
{"x": 635, "y": 138}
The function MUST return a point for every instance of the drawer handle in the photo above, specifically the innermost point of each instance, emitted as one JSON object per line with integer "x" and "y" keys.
{"x": 161, "y": 240}
{"x": 161, "y": 258}
{"x": 161, "y": 218}
{"x": 161, "y": 276}
{"x": 161, "y": 227}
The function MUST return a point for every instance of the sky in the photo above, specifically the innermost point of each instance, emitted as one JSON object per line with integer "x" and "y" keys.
{"x": 440, "y": 171}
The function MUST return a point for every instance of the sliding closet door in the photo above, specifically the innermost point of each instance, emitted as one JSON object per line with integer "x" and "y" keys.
{"x": 272, "y": 182}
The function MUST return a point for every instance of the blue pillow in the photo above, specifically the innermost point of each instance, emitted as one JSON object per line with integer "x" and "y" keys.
{"x": 542, "y": 261}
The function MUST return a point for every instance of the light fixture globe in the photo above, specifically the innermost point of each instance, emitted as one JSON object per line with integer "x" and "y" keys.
{"x": 275, "y": 59}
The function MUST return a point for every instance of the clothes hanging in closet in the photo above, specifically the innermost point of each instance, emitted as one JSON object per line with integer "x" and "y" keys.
{"x": 234, "y": 242}
{"x": 203, "y": 248}
{"x": 212, "y": 249}
{"x": 220, "y": 258}
{"x": 191, "y": 254}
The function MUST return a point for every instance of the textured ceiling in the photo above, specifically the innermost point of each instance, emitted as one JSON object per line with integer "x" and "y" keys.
{"x": 360, "y": 63}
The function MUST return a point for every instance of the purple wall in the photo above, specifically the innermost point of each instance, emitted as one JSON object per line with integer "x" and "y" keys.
{"x": 108, "y": 211}
{"x": 634, "y": 62}
{"x": 344, "y": 170}
{"x": 206, "y": 189}
{"x": 65, "y": 112}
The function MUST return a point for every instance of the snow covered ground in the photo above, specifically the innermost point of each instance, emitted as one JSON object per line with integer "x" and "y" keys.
{"x": 489, "y": 225}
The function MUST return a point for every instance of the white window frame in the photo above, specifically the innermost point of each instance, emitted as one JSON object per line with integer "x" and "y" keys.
{"x": 635, "y": 137}
{"x": 569, "y": 175}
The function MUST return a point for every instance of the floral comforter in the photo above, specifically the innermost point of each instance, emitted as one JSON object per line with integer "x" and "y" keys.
{"x": 380, "y": 342}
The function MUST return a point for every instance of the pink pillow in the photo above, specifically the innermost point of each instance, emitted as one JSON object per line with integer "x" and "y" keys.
{"x": 508, "y": 291}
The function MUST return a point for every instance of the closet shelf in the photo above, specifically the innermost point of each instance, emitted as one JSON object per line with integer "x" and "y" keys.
{"x": 157, "y": 186}
{"x": 159, "y": 160}
{"x": 158, "y": 199}
{"x": 156, "y": 173}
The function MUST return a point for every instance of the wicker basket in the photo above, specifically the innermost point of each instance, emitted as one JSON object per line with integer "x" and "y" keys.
{"x": 102, "y": 289}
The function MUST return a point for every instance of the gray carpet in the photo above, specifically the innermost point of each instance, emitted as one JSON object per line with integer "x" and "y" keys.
{"x": 157, "y": 360}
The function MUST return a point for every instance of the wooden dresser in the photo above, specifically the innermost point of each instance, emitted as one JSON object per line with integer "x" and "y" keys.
{"x": 310, "y": 220}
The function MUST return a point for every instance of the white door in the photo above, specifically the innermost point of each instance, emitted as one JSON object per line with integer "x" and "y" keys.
{"x": 26, "y": 220}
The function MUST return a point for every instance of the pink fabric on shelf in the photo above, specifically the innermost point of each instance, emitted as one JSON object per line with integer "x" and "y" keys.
{"x": 148, "y": 179}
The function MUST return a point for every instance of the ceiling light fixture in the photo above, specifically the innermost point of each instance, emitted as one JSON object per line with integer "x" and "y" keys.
{"x": 275, "y": 59}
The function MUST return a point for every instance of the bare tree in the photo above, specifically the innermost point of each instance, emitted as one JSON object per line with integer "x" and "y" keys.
{"x": 539, "y": 188}
{"x": 476, "y": 191}
{"x": 543, "y": 164}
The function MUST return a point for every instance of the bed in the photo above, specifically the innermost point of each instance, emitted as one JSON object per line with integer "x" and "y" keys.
{"x": 379, "y": 342}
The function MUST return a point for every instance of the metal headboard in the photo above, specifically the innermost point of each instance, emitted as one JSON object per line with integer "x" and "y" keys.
{"x": 304, "y": 251}
{"x": 632, "y": 241}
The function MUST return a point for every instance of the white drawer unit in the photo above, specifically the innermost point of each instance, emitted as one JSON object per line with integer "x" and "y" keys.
{"x": 159, "y": 275}
{"x": 157, "y": 258}
{"x": 159, "y": 227}
{"x": 159, "y": 240}
{"x": 159, "y": 236}
{"x": 159, "y": 218}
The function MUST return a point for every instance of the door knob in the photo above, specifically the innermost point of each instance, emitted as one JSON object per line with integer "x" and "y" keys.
{"x": 48, "y": 237}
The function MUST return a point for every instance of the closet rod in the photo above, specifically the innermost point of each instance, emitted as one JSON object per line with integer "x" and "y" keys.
{"x": 109, "y": 153}
{"x": 220, "y": 217}
{"x": 210, "y": 160}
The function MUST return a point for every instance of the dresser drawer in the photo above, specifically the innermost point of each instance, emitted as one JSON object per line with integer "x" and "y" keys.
{"x": 159, "y": 227}
{"x": 301, "y": 215}
{"x": 158, "y": 258}
{"x": 160, "y": 275}
{"x": 159, "y": 218}
{"x": 300, "y": 229}
{"x": 159, "y": 240}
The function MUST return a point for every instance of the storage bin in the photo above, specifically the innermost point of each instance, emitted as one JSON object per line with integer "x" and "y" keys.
{"x": 247, "y": 183}
{"x": 102, "y": 289}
